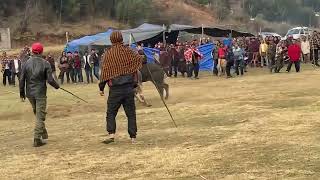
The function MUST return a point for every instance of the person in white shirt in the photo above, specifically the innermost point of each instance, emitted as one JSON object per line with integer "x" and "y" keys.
{"x": 305, "y": 48}
{"x": 15, "y": 68}
{"x": 88, "y": 64}
{"x": 5, "y": 63}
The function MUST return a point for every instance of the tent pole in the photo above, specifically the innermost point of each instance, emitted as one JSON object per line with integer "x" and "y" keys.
{"x": 130, "y": 40}
{"x": 164, "y": 35}
{"x": 202, "y": 33}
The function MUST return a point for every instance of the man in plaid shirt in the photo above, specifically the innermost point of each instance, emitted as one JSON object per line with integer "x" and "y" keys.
{"x": 315, "y": 44}
{"x": 5, "y": 63}
{"x": 193, "y": 56}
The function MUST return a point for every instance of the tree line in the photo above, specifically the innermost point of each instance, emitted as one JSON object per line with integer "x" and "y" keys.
{"x": 134, "y": 12}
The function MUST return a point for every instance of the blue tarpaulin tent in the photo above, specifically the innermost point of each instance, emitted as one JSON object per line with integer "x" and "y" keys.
{"x": 141, "y": 33}
{"x": 86, "y": 41}
{"x": 206, "y": 64}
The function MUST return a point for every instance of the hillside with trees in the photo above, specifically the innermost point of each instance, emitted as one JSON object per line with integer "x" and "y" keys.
{"x": 31, "y": 18}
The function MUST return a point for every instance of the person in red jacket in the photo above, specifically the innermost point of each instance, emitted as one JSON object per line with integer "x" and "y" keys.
{"x": 294, "y": 53}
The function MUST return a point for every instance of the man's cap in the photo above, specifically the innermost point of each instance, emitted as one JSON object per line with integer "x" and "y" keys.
{"x": 37, "y": 48}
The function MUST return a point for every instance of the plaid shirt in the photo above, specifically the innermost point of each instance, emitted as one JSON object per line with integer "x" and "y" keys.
{"x": 4, "y": 62}
{"x": 189, "y": 52}
{"x": 315, "y": 41}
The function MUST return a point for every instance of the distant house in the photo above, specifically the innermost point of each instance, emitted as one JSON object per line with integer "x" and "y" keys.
{"x": 5, "y": 39}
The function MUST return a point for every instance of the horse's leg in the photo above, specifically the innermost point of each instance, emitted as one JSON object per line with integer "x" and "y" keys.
{"x": 160, "y": 89}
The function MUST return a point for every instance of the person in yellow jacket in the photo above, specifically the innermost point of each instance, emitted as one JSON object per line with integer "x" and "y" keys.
{"x": 263, "y": 53}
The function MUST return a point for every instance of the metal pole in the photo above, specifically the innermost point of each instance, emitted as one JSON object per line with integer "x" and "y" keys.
{"x": 164, "y": 35}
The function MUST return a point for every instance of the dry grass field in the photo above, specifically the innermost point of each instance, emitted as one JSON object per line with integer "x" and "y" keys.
{"x": 260, "y": 126}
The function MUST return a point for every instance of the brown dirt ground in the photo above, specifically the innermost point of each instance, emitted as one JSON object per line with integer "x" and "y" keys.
{"x": 259, "y": 126}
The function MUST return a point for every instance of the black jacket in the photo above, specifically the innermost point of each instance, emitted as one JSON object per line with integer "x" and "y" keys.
{"x": 35, "y": 74}
{"x": 123, "y": 82}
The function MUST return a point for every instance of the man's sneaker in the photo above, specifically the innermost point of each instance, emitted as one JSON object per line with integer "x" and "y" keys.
{"x": 37, "y": 143}
{"x": 110, "y": 139}
{"x": 133, "y": 140}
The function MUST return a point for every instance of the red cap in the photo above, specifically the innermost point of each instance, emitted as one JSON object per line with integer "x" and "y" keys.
{"x": 37, "y": 48}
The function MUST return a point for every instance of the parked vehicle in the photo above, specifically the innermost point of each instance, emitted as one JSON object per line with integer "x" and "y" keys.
{"x": 297, "y": 32}
{"x": 268, "y": 34}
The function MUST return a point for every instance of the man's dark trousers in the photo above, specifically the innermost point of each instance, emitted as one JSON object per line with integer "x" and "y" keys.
{"x": 13, "y": 77}
{"x": 6, "y": 75}
{"x": 190, "y": 69}
{"x": 228, "y": 68}
{"x": 297, "y": 66}
{"x": 196, "y": 68}
{"x": 121, "y": 96}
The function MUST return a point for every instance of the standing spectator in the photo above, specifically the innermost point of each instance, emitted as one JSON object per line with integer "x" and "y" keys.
{"x": 230, "y": 62}
{"x": 25, "y": 55}
{"x": 52, "y": 63}
{"x": 77, "y": 67}
{"x": 271, "y": 54}
{"x": 182, "y": 67}
{"x": 70, "y": 71}
{"x": 215, "y": 58}
{"x": 294, "y": 52}
{"x": 315, "y": 43}
{"x": 222, "y": 60}
{"x": 238, "y": 53}
{"x": 96, "y": 63}
{"x": 5, "y": 69}
{"x": 263, "y": 53}
{"x": 305, "y": 48}
{"x": 173, "y": 54}
{"x": 254, "y": 50}
{"x": 63, "y": 66}
{"x": 15, "y": 68}
{"x": 193, "y": 56}
{"x": 88, "y": 67}
{"x": 281, "y": 50}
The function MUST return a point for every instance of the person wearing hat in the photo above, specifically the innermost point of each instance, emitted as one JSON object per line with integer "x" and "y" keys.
{"x": 33, "y": 85}
{"x": 119, "y": 70}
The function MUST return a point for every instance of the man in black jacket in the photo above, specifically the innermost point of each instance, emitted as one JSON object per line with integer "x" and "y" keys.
{"x": 36, "y": 72}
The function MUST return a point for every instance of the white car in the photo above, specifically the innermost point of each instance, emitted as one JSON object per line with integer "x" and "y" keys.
{"x": 297, "y": 32}
{"x": 269, "y": 34}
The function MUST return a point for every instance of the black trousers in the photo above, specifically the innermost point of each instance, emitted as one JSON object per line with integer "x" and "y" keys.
{"x": 13, "y": 78}
{"x": 70, "y": 75}
{"x": 89, "y": 74}
{"x": 190, "y": 70}
{"x": 296, "y": 64}
{"x": 61, "y": 76}
{"x": 124, "y": 97}
{"x": 239, "y": 66}
{"x": 193, "y": 68}
{"x": 228, "y": 68}
{"x": 174, "y": 67}
{"x": 196, "y": 68}
{"x": 315, "y": 56}
{"x": 215, "y": 67}
{"x": 6, "y": 76}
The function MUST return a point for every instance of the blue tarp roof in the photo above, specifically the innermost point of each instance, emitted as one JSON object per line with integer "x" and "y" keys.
{"x": 143, "y": 32}
{"x": 86, "y": 40}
